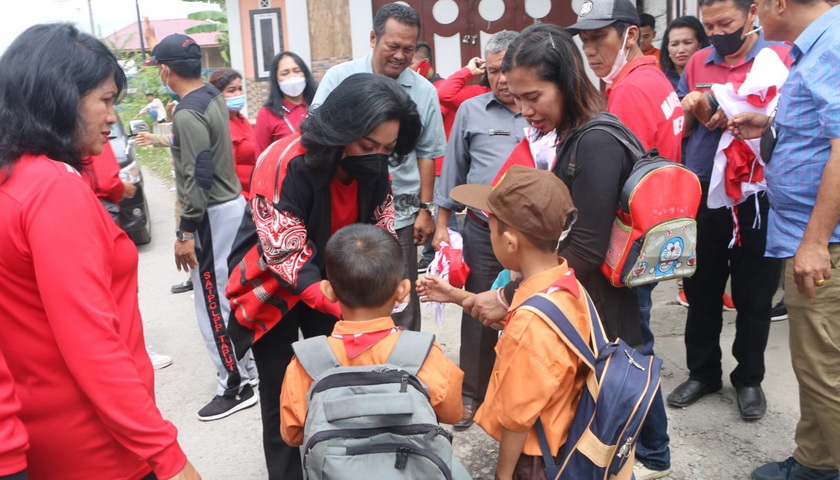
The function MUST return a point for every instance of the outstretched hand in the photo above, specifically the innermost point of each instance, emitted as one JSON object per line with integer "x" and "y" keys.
{"x": 431, "y": 288}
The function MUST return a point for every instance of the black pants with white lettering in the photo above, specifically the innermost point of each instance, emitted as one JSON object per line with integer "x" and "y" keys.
{"x": 214, "y": 239}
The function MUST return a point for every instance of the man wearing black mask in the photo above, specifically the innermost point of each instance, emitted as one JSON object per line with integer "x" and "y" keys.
{"x": 721, "y": 251}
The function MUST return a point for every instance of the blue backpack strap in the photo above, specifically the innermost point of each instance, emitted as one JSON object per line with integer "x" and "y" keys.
{"x": 540, "y": 304}
{"x": 575, "y": 341}
{"x": 548, "y": 458}
{"x": 315, "y": 355}
{"x": 599, "y": 336}
{"x": 411, "y": 350}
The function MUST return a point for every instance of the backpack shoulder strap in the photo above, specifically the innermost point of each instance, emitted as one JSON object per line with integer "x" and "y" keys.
{"x": 541, "y": 304}
{"x": 610, "y": 128}
{"x": 315, "y": 355}
{"x": 411, "y": 350}
{"x": 599, "y": 336}
{"x": 547, "y": 310}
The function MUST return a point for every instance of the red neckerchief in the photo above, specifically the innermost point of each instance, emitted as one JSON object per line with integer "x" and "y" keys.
{"x": 567, "y": 282}
{"x": 356, "y": 343}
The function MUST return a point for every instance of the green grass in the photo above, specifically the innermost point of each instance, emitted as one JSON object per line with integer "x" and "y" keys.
{"x": 158, "y": 160}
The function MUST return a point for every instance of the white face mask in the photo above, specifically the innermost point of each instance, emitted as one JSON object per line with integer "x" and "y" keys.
{"x": 292, "y": 86}
{"x": 619, "y": 63}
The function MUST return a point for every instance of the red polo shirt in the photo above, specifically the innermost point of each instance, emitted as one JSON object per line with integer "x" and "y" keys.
{"x": 644, "y": 100}
{"x": 271, "y": 128}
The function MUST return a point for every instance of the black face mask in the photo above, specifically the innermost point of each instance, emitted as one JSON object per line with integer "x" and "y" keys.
{"x": 728, "y": 43}
{"x": 365, "y": 168}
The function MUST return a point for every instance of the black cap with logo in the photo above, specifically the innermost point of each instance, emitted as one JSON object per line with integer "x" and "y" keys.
{"x": 176, "y": 47}
{"x": 595, "y": 14}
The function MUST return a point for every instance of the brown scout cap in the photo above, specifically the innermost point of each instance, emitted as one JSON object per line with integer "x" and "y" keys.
{"x": 532, "y": 201}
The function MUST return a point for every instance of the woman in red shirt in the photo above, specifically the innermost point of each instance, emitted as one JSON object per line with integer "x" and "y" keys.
{"x": 289, "y": 96}
{"x": 72, "y": 332}
{"x": 229, "y": 82}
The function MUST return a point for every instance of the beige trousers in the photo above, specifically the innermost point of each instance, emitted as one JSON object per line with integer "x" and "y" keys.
{"x": 815, "y": 354}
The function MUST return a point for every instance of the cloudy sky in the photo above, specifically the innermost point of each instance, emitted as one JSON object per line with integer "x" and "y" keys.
{"x": 108, "y": 15}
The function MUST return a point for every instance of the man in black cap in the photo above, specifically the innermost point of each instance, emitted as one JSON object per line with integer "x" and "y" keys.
{"x": 212, "y": 208}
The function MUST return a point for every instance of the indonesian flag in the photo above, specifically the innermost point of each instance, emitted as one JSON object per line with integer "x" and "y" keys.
{"x": 738, "y": 170}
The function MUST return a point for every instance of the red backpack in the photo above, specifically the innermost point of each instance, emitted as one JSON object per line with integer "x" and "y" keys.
{"x": 654, "y": 235}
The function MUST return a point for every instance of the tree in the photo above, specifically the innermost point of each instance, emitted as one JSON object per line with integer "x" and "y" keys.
{"x": 217, "y": 24}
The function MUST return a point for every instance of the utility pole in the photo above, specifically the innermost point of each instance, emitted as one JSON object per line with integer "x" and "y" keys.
{"x": 140, "y": 30}
{"x": 90, "y": 13}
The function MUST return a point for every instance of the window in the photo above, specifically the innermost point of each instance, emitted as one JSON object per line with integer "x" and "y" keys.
{"x": 266, "y": 38}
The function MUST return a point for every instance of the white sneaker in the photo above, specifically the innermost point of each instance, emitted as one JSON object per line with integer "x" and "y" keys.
{"x": 158, "y": 361}
{"x": 641, "y": 472}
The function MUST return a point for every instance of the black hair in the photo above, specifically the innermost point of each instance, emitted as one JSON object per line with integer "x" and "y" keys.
{"x": 552, "y": 53}
{"x": 400, "y": 12}
{"x": 364, "y": 265}
{"x": 621, "y": 27}
{"x": 423, "y": 47}
{"x": 358, "y": 105}
{"x": 687, "y": 21}
{"x": 275, "y": 96}
{"x": 186, "y": 68}
{"x": 647, "y": 20}
{"x": 44, "y": 75}
{"x": 221, "y": 77}
{"x": 742, "y": 5}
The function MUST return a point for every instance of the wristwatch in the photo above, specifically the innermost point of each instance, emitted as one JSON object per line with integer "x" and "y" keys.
{"x": 184, "y": 236}
{"x": 426, "y": 206}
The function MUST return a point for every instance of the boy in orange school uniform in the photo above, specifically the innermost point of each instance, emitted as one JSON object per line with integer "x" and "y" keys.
{"x": 535, "y": 375}
{"x": 365, "y": 271}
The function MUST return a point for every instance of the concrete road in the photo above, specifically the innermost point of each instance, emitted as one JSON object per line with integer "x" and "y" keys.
{"x": 708, "y": 439}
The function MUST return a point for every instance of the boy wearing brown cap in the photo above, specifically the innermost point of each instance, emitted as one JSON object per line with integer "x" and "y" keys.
{"x": 535, "y": 375}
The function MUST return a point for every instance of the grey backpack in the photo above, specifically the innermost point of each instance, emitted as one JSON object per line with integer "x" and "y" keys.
{"x": 373, "y": 421}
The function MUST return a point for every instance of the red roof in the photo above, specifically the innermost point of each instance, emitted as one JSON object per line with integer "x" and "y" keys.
{"x": 128, "y": 37}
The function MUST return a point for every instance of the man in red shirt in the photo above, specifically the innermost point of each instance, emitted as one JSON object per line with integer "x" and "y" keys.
{"x": 638, "y": 93}
{"x": 641, "y": 96}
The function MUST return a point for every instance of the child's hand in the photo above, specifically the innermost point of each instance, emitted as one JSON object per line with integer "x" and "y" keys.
{"x": 431, "y": 288}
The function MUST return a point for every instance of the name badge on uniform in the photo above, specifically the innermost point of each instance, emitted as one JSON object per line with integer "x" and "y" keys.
{"x": 698, "y": 86}
{"x": 496, "y": 131}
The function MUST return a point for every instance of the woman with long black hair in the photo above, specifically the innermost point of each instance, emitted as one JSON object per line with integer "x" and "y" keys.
{"x": 545, "y": 74}
{"x": 72, "y": 332}
{"x": 683, "y": 38}
{"x": 304, "y": 188}
{"x": 290, "y": 92}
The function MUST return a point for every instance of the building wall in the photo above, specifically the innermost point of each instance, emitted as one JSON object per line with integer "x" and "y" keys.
{"x": 659, "y": 10}
{"x": 243, "y": 60}
{"x": 329, "y": 34}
